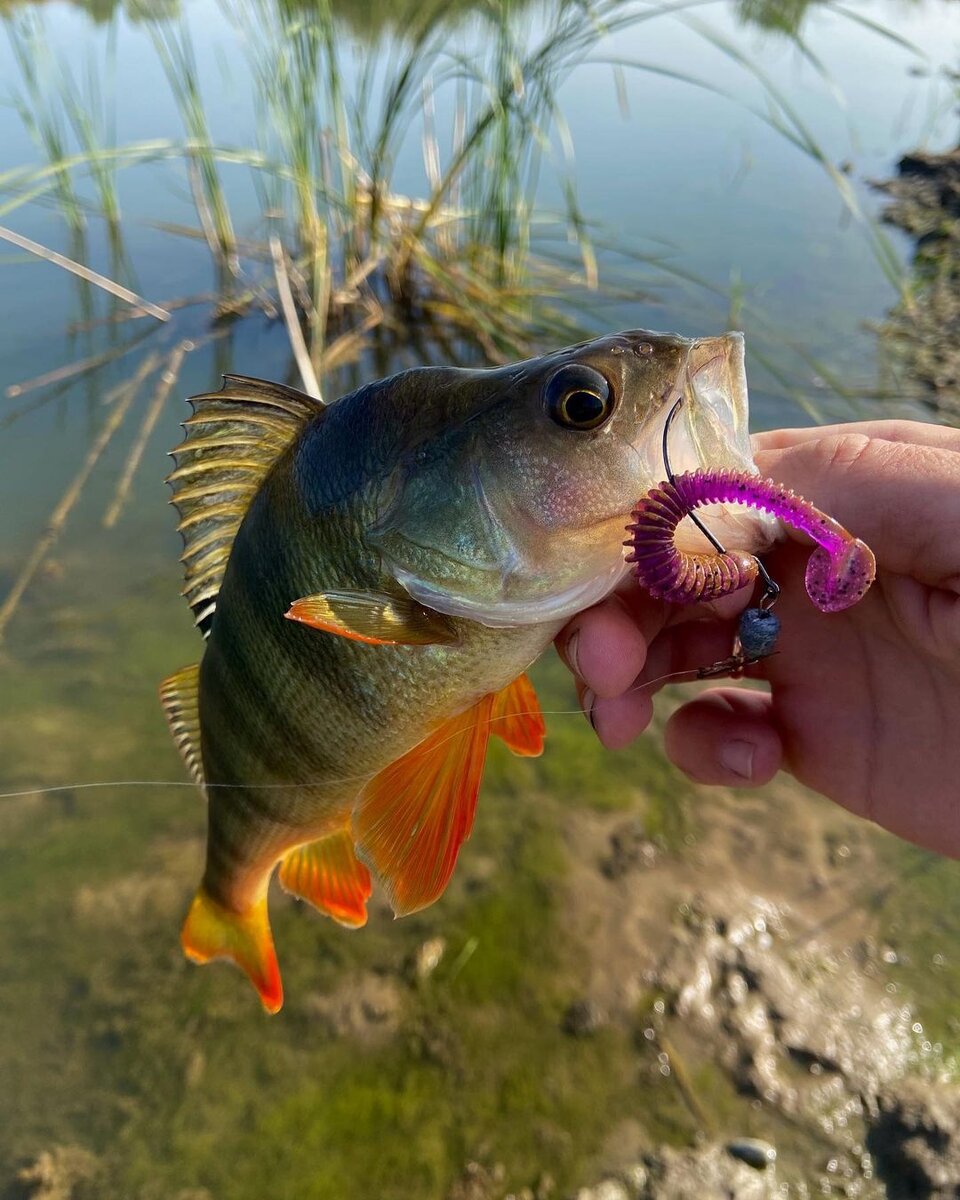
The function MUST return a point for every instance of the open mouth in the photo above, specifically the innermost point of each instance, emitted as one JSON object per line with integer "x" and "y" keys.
{"x": 708, "y": 429}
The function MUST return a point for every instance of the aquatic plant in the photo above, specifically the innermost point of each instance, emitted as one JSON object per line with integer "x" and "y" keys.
{"x": 469, "y": 269}
{"x": 179, "y": 1090}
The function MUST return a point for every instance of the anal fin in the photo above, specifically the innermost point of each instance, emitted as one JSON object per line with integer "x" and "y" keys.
{"x": 328, "y": 875}
{"x": 212, "y": 931}
{"x": 179, "y": 696}
{"x": 412, "y": 818}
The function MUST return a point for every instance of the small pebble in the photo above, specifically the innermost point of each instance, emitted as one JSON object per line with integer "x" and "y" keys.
{"x": 752, "y": 1151}
{"x": 429, "y": 956}
{"x": 609, "y": 1189}
{"x": 583, "y": 1018}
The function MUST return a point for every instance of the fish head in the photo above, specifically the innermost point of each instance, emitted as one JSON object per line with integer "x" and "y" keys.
{"x": 513, "y": 510}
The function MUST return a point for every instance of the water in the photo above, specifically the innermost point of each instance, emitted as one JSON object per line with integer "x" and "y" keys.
{"x": 374, "y": 1080}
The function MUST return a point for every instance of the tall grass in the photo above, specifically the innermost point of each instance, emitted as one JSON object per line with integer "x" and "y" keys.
{"x": 468, "y": 264}
{"x": 466, "y": 258}
{"x": 40, "y": 81}
{"x": 175, "y": 51}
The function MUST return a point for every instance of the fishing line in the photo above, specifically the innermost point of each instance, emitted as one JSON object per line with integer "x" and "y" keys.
{"x": 691, "y": 675}
{"x": 732, "y": 667}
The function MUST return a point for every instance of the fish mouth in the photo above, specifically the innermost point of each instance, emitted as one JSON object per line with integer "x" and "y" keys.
{"x": 708, "y": 413}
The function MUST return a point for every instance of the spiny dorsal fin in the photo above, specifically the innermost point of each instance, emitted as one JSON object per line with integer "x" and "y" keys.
{"x": 179, "y": 695}
{"x": 232, "y": 439}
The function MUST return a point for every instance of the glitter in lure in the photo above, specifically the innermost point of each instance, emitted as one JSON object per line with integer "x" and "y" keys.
{"x": 839, "y": 571}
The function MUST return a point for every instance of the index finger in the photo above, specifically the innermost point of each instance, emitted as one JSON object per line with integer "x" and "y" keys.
{"x": 919, "y": 433}
{"x": 901, "y": 498}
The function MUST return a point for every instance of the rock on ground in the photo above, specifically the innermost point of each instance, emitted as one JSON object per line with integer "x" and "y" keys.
{"x": 706, "y": 1173}
{"x": 915, "y": 1141}
{"x": 63, "y": 1173}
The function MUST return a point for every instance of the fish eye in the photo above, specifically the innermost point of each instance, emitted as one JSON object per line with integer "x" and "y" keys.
{"x": 578, "y": 397}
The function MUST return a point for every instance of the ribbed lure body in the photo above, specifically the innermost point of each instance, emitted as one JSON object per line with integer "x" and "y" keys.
{"x": 839, "y": 571}
{"x": 672, "y": 574}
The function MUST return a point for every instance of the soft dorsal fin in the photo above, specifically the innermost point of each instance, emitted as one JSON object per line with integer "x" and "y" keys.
{"x": 232, "y": 439}
{"x": 179, "y": 696}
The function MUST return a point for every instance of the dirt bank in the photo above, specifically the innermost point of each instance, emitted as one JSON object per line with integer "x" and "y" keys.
{"x": 922, "y": 334}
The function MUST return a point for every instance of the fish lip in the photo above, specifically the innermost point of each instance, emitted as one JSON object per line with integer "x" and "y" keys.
{"x": 694, "y": 413}
{"x": 704, "y": 366}
{"x": 709, "y": 433}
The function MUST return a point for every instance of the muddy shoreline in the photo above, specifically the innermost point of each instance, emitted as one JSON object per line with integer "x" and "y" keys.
{"x": 720, "y": 1007}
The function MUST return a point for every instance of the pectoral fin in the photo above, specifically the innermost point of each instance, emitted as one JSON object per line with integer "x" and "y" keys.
{"x": 374, "y": 618}
{"x": 327, "y": 874}
{"x": 517, "y": 719}
{"x": 413, "y": 817}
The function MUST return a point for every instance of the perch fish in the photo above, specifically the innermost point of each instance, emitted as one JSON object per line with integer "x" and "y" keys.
{"x": 374, "y": 576}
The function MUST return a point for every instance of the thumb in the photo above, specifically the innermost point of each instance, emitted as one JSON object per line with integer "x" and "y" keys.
{"x": 725, "y": 736}
{"x": 902, "y": 499}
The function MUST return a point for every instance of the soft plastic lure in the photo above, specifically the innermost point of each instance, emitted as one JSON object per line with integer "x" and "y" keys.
{"x": 839, "y": 571}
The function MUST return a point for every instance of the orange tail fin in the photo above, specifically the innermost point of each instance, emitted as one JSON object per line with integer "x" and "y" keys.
{"x": 212, "y": 931}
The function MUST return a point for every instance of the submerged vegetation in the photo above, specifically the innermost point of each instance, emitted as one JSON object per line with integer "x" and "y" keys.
{"x": 523, "y": 1036}
{"x": 308, "y": 228}
{"x": 388, "y": 1070}
{"x": 513, "y": 1036}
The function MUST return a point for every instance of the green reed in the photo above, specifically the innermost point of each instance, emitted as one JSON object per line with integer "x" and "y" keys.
{"x": 330, "y": 133}
{"x": 470, "y": 261}
{"x": 175, "y": 51}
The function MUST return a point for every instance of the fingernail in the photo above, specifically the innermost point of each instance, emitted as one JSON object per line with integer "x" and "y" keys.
{"x": 737, "y": 757}
{"x": 570, "y": 652}
{"x": 587, "y": 702}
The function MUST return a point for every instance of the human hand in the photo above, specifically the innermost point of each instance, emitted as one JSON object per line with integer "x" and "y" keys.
{"x": 864, "y": 705}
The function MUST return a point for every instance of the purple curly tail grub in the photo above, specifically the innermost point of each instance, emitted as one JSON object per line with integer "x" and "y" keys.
{"x": 838, "y": 573}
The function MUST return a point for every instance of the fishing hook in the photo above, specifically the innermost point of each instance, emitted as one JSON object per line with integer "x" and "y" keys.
{"x": 771, "y": 589}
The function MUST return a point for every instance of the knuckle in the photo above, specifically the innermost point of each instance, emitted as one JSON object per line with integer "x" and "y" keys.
{"x": 897, "y": 430}
{"x": 844, "y": 450}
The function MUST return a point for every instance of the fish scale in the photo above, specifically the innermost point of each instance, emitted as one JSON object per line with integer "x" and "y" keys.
{"x": 373, "y": 578}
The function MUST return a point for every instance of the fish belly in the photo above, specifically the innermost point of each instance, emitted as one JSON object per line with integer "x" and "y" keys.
{"x": 296, "y": 722}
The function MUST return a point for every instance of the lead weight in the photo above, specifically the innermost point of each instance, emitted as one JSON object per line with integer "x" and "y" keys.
{"x": 759, "y": 630}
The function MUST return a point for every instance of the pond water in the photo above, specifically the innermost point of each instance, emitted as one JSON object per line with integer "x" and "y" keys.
{"x": 721, "y": 155}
